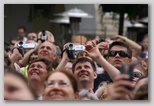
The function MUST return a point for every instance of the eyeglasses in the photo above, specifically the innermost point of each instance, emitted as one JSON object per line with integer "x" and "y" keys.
{"x": 60, "y": 84}
{"x": 136, "y": 74}
{"x": 121, "y": 53}
{"x": 31, "y": 37}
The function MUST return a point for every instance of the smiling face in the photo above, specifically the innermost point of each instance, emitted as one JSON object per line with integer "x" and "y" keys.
{"x": 84, "y": 72}
{"x": 58, "y": 87}
{"x": 47, "y": 50}
{"x": 37, "y": 71}
{"x": 15, "y": 88}
{"x": 117, "y": 61}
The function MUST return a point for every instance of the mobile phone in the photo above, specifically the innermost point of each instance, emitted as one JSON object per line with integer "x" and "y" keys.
{"x": 127, "y": 69}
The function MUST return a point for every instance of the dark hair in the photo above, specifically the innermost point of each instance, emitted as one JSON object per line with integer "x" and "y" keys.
{"x": 9, "y": 70}
{"x": 35, "y": 53}
{"x": 70, "y": 76}
{"x": 81, "y": 60}
{"x": 142, "y": 93}
{"x": 22, "y": 27}
{"x": 46, "y": 61}
{"x": 118, "y": 43}
{"x": 7, "y": 58}
{"x": 141, "y": 79}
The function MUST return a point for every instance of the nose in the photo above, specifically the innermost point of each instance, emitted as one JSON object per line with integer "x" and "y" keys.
{"x": 117, "y": 55}
{"x": 82, "y": 69}
{"x": 45, "y": 48}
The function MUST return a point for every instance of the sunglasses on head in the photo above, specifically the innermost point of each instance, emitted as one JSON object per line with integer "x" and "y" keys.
{"x": 136, "y": 74}
{"x": 121, "y": 53}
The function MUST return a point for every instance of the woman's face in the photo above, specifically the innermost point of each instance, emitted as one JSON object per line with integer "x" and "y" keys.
{"x": 58, "y": 87}
{"x": 15, "y": 88}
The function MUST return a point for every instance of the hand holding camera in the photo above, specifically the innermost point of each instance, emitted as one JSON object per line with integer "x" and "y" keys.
{"x": 73, "y": 49}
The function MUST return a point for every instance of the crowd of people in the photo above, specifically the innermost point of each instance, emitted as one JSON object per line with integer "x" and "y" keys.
{"x": 36, "y": 67}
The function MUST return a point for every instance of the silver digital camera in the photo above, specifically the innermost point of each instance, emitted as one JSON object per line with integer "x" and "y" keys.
{"x": 73, "y": 49}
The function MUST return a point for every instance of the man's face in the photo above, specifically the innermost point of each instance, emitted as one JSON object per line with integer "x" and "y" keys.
{"x": 37, "y": 71}
{"x": 21, "y": 33}
{"x": 47, "y": 50}
{"x": 32, "y": 36}
{"x": 117, "y": 60}
{"x": 84, "y": 72}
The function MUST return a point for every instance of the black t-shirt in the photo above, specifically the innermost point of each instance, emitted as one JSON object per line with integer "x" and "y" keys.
{"x": 100, "y": 78}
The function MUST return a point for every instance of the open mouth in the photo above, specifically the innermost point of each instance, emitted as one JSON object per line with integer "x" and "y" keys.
{"x": 83, "y": 75}
{"x": 34, "y": 73}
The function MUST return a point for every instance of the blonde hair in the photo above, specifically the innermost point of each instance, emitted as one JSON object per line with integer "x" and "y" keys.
{"x": 48, "y": 32}
{"x": 102, "y": 91}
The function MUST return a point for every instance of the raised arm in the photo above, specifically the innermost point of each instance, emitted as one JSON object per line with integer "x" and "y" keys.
{"x": 137, "y": 48}
{"x": 94, "y": 53}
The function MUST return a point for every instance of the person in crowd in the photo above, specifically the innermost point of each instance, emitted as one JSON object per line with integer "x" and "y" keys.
{"x": 7, "y": 60}
{"x": 15, "y": 57}
{"x": 16, "y": 86}
{"x": 47, "y": 50}
{"x": 141, "y": 93}
{"x": 61, "y": 85}
{"x": 37, "y": 74}
{"x": 119, "y": 54}
{"x": 136, "y": 48}
{"x": 102, "y": 90}
{"x": 144, "y": 63}
{"x": 85, "y": 71}
{"x": 95, "y": 54}
{"x": 24, "y": 70}
{"x": 32, "y": 36}
{"x": 141, "y": 81}
{"x": 122, "y": 89}
{"x": 21, "y": 34}
{"x": 144, "y": 44}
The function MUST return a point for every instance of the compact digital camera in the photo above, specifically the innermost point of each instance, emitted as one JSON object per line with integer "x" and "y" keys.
{"x": 73, "y": 49}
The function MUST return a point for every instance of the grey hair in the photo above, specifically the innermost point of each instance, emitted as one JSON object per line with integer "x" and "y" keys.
{"x": 86, "y": 93}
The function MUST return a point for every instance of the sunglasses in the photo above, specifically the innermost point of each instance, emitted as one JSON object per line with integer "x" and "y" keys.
{"x": 136, "y": 74}
{"x": 121, "y": 53}
{"x": 105, "y": 55}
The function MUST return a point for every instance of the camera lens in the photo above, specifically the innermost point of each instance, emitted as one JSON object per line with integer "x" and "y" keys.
{"x": 70, "y": 45}
{"x": 20, "y": 43}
